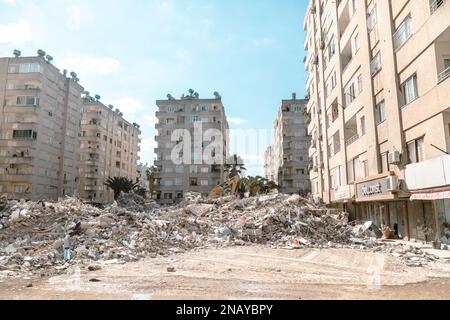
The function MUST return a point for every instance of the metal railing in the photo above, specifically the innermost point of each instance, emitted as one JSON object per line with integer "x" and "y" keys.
{"x": 444, "y": 75}
{"x": 436, "y": 4}
{"x": 352, "y": 140}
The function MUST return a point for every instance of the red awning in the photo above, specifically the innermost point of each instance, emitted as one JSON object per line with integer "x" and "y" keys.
{"x": 431, "y": 196}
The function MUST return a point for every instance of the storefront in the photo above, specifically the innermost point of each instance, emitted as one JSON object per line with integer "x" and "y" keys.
{"x": 343, "y": 198}
{"x": 429, "y": 184}
{"x": 377, "y": 200}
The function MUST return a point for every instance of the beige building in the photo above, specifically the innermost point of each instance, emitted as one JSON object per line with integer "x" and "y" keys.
{"x": 109, "y": 147}
{"x": 379, "y": 92}
{"x": 40, "y": 114}
{"x": 287, "y": 160}
{"x": 197, "y": 171}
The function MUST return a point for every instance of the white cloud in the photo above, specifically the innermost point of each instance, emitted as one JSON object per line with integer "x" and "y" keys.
{"x": 147, "y": 150}
{"x": 129, "y": 105}
{"x": 86, "y": 65}
{"x": 73, "y": 18}
{"x": 166, "y": 7}
{"x": 9, "y": 1}
{"x": 236, "y": 121}
{"x": 15, "y": 33}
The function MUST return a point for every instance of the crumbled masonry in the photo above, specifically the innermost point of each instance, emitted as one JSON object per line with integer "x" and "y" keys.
{"x": 32, "y": 233}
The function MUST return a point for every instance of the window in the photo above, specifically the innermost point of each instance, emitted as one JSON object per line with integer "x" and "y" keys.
{"x": 12, "y": 69}
{"x": 403, "y": 33}
{"x": 357, "y": 42}
{"x": 193, "y": 169}
{"x": 167, "y": 196}
{"x": 366, "y": 168}
{"x": 193, "y": 182}
{"x": 333, "y": 80}
{"x": 204, "y": 108}
{"x": 409, "y": 90}
{"x": 353, "y": 168}
{"x": 384, "y": 162}
{"x": 373, "y": 19}
{"x": 416, "y": 151}
{"x": 375, "y": 64}
{"x": 170, "y": 121}
{"x": 24, "y": 134}
{"x": 205, "y": 170}
{"x": 170, "y": 109}
{"x": 298, "y": 109}
{"x": 349, "y": 92}
{"x": 331, "y": 49}
{"x": 27, "y": 101}
{"x": 179, "y": 169}
{"x": 363, "y": 125}
{"x": 380, "y": 112}
{"x": 178, "y": 182}
{"x": 203, "y": 182}
{"x": 446, "y": 64}
{"x": 195, "y": 119}
{"x": 354, "y": 7}
{"x": 30, "y": 67}
{"x": 168, "y": 183}
{"x": 360, "y": 83}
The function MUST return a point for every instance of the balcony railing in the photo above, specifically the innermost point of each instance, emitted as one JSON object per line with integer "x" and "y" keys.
{"x": 444, "y": 75}
{"x": 352, "y": 140}
{"x": 436, "y": 4}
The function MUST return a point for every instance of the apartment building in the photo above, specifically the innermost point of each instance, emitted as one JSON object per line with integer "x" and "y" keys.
{"x": 183, "y": 128}
{"x": 109, "y": 147}
{"x": 287, "y": 160}
{"x": 379, "y": 89}
{"x": 269, "y": 166}
{"x": 40, "y": 115}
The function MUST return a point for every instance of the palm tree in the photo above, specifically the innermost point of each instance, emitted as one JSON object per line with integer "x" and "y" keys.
{"x": 120, "y": 184}
{"x": 234, "y": 166}
{"x": 150, "y": 173}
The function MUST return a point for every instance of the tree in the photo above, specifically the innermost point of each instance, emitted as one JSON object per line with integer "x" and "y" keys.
{"x": 120, "y": 184}
{"x": 234, "y": 166}
{"x": 150, "y": 173}
{"x": 256, "y": 185}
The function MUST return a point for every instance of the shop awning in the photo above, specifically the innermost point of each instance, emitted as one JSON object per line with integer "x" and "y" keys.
{"x": 431, "y": 196}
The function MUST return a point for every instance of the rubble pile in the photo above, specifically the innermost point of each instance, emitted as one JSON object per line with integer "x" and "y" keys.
{"x": 32, "y": 233}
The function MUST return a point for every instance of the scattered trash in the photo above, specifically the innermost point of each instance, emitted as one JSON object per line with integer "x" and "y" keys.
{"x": 94, "y": 268}
{"x": 94, "y": 280}
{"x": 170, "y": 269}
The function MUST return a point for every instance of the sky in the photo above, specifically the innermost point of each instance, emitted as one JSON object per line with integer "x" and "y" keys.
{"x": 135, "y": 52}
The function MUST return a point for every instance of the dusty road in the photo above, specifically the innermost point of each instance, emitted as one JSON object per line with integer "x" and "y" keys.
{"x": 246, "y": 273}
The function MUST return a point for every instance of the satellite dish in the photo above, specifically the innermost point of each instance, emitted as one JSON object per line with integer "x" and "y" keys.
{"x": 49, "y": 58}
{"x": 73, "y": 75}
{"x": 111, "y": 106}
{"x": 97, "y": 97}
{"x": 41, "y": 53}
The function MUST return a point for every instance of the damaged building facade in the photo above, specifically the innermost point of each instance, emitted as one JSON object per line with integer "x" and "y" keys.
{"x": 194, "y": 116}
{"x": 379, "y": 88}
{"x": 286, "y": 161}
{"x": 109, "y": 147}
{"x": 55, "y": 143}
{"x": 39, "y": 127}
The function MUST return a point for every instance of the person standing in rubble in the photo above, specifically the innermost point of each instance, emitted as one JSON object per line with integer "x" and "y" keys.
{"x": 67, "y": 248}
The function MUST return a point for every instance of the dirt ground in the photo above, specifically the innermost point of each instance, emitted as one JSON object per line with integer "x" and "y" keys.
{"x": 237, "y": 273}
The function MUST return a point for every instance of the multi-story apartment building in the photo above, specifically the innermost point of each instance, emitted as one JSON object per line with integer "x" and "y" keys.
{"x": 379, "y": 87}
{"x": 197, "y": 171}
{"x": 269, "y": 166}
{"x": 40, "y": 117}
{"x": 109, "y": 147}
{"x": 287, "y": 160}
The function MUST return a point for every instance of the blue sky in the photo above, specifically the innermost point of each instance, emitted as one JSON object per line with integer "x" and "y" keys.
{"x": 135, "y": 52}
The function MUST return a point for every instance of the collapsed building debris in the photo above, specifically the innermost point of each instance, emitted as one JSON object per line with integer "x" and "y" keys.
{"x": 32, "y": 233}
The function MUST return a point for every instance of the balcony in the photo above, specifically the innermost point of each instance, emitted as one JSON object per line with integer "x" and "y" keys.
{"x": 444, "y": 75}
{"x": 435, "y": 5}
{"x": 352, "y": 140}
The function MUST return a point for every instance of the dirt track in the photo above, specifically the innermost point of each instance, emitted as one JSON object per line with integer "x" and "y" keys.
{"x": 246, "y": 273}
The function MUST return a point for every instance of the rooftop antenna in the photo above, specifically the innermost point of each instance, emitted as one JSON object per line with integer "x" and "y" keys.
{"x": 65, "y": 73}
{"x": 41, "y": 53}
{"x": 294, "y": 96}
{"x": 73, "y": 75}
{"x": 17, "y": 53}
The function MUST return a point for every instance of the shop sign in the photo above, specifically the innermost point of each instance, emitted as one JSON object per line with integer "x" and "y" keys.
{"x": 378, "y": 187}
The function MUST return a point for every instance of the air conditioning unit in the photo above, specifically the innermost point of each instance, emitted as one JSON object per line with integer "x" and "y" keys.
{"x": 395, "y": 157}
{"x": 393, "y": 184}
